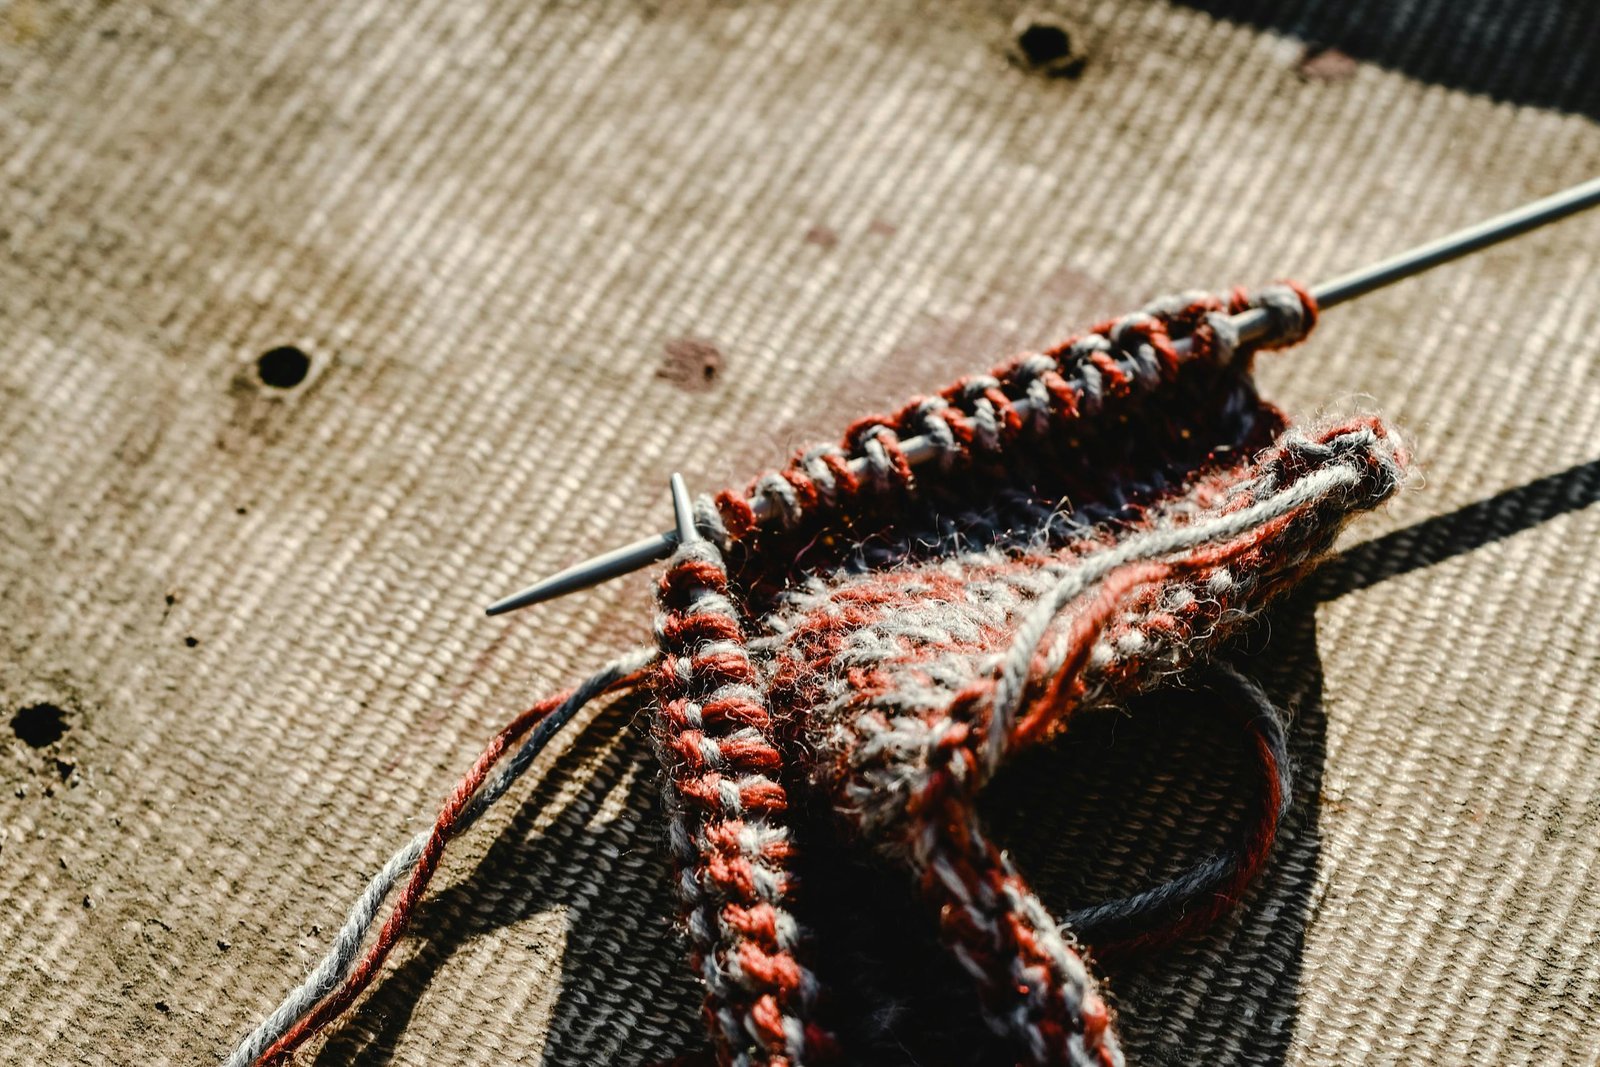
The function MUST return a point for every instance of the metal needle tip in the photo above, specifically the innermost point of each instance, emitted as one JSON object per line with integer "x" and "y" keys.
{"x": 613, "y": 564}
{"x": 683, "y": 511}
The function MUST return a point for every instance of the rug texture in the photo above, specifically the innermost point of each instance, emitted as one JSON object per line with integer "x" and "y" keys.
{"x": 514, "y": 263}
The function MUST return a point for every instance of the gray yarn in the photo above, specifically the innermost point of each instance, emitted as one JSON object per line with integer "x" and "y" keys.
{"x": 1089, "y": 923}
{"x": 334, "y": 967}
{"x": 586, "y": 691}
{"x": 1287, "y": 311}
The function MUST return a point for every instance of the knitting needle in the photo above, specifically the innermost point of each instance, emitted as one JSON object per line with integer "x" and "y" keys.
{"x": 1252, "y": 326}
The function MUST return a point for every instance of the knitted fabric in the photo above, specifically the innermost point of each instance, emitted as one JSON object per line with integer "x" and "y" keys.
{"x": 726, "y": 805}
{"x": 869, "y": 640}
{"x": 953, "y": 628}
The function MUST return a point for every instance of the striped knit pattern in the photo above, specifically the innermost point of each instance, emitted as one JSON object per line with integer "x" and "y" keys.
{"x": 909, "y": 630}
{"x": 891, "y": 667}
{"x": 897, "y": 682}
{"x": 726, "y": 805}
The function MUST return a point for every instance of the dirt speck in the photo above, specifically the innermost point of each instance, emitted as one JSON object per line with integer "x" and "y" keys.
{"x": 1322, "y": 63}
{"x": 822, "y": 236}
{"x": 39, "y": 725}
{"x": 693, "y": 364}
{"x": 882, "y": 228}
{"x": 163, "y": 1007}
{"x": 191, "y": 641}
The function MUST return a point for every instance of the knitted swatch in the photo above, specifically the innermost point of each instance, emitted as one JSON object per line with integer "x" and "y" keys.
{"x": 1083, "y": 525}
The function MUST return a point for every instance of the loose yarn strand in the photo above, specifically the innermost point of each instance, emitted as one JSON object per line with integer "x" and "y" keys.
{"x": 338, "y": 978}
{"x": 1201, "y": 894}
{"x": 333, "y": 967}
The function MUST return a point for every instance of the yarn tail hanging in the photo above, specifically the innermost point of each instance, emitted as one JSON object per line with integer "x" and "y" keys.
{"x": 341, "y": 975}
{"x": 1163, "y": 914}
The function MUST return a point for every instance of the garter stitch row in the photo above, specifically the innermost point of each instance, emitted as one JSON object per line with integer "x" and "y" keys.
{"x": 877, "y": 647}
{"x": 726, "y": 808}
{"x": 1089, "y": 423}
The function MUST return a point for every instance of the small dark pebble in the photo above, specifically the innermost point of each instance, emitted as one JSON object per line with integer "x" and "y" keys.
{"x": 191, "y": 641}
{"x": 162, "y": 1007}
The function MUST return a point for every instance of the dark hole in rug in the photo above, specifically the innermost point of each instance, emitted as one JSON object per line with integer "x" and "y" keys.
{"x": 283, "y": 367}
{"x": 39, "y": 725}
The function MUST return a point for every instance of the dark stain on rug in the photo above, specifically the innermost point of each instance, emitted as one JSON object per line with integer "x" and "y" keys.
{"x": 693, "y": 364}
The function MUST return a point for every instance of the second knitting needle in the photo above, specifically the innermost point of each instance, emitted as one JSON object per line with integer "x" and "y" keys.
{"x": 1251, "y": 326}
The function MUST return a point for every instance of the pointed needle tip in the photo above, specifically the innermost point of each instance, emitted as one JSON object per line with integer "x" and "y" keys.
{"x": 683, "y": 511}
{"x": 531, "y": 595}
{"x": 591, "y": 572}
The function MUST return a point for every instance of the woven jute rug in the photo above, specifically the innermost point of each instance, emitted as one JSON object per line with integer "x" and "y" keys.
{"x": 538, "y": 256}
